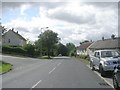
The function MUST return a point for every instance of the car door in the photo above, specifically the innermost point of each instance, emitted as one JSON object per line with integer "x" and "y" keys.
{"x": 97, "y": 59}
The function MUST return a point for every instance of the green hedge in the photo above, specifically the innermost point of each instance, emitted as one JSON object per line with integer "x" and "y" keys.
{"x": 84, "y": 57}
{"x": 9, "y": 49}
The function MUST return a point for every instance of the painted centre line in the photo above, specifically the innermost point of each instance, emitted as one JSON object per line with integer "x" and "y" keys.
{"x": 52, "y": 70}
{"x": 36, "y": 84}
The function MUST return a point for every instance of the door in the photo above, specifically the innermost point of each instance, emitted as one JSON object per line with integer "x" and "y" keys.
{"x": 97, "y": 59}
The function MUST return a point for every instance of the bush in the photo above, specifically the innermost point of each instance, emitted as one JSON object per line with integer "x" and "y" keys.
{"x": 84, "y": 57}
{"x": 15, "y": 50}
{"x": 30, "y": 49}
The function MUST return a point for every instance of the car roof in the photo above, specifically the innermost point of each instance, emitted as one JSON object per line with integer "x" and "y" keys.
{"x": 104, "y": 50}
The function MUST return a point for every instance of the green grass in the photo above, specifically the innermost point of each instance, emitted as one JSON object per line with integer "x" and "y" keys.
{"x": 13, "y": 54}
{"x": 45, "y": 57}
{"x": 5, "y": 67}
{"x": 85, "y": 61}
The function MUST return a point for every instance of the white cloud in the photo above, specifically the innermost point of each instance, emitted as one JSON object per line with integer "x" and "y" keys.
{"x": 74, "y": 22}
{"x": 24, "y": 7}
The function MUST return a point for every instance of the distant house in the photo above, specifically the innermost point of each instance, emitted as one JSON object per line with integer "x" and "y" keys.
{"x": 112, "y": 43}
{"x": 13, "y": 38}
{"x": 82, "y": 49}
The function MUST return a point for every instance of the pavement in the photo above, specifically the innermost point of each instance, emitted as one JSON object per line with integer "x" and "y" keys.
{"x": 60, "y": 72}
{"x": 107, "y": 79}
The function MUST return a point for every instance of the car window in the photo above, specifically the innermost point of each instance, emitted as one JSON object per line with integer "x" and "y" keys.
{"x": 109, "y": 54}
{"x": 97, "y": 54}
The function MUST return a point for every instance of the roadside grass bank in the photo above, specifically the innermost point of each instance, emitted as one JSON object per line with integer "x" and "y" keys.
{"x": 83, "y": 58}
{"x": 13, "y": 54}
{"x": 45, "y": 57}
{"x": 5, "y": 67}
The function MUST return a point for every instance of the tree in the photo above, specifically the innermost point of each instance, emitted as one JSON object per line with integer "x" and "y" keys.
{"x": 30, "y": 49}
{"x": 84, "y": 42}
{"x": 70, "y": 47}
{"x": 3, "y": 29}
{"x": 62, "y": 49}
{"x": 47, "y": 41}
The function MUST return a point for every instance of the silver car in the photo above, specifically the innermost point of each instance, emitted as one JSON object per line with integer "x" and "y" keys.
{"x": 104, "y": 60}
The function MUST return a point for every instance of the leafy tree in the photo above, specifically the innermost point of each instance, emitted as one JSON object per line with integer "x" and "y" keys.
{"x": 47, "y": 41}
{"x": 3, "y": 29}
{"x": 70, "y": 47}
{"x": 62, "y": 49}
{"x": 84, "y": 42}
{"x": 30, "y": 49}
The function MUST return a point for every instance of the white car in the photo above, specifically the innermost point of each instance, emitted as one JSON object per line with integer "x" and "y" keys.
{"x": 104, "y": 60}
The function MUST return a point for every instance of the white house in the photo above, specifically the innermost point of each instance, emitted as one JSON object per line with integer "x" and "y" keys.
{"x": 13, "y": 38}
{"x": 82, "y": 49}
{"x": 111, "y": 43}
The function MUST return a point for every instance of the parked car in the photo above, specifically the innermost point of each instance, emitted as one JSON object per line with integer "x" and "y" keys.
{"x": 104, "y": 60}
{"x": 116, "y": 78}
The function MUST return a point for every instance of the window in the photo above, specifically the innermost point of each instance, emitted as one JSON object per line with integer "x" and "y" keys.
{"x": 8, "y": 40}
{"x": 97, "y": 54}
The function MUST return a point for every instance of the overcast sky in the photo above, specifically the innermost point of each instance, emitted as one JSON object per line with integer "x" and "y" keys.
{"x": 73, "y": 21}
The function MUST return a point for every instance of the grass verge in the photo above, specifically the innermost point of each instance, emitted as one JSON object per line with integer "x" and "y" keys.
{"x": 5, "y": 67}
{"x": 85, "y": 61}
{"x": 45, "y": 57}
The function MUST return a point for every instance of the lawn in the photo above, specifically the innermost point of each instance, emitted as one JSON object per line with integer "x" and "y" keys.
{"x": 5, "y": 67}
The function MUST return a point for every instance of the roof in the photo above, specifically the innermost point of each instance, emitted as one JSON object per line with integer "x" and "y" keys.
{"x": 16, "y": 34}
{"x": 84, "y": 45}
{"x": 106, "y": 44}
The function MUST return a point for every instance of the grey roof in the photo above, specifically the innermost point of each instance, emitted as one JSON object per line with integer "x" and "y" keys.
{"x": 84, "y": 46}
{"x": 16, "y": 34}
{"x": 106, "y": 44}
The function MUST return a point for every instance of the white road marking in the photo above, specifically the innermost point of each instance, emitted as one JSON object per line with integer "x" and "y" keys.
{"x": 58, "y": 64}
{"x": 36, "y": 84}
{"x": 102, "y": 78}
{"x": 52, "y": 70}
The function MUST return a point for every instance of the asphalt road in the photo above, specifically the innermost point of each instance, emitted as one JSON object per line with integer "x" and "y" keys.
{"x": 60, "y": 72}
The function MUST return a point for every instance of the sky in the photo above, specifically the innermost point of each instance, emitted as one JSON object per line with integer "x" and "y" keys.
{"x": 73, "y": 21}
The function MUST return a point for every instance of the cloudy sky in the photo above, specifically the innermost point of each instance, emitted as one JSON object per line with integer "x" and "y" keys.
{"x": 73, "y": 21}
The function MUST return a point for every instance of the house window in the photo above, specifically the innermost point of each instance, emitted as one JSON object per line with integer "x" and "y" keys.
{"x": 8, "y": 40}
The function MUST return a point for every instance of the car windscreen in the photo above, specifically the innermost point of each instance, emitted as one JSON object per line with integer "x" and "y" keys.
{"x": 109, "y": 54}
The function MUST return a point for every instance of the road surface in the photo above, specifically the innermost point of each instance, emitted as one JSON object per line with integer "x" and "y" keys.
{"x": 62, "y": 72}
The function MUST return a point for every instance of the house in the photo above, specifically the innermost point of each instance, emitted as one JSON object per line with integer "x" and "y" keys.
{"x": 82, "y": 49}
{"x": 13, "y": 38}
{"x": 111, "y": 43}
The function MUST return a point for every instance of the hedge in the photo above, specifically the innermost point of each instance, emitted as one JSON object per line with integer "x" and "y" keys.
{"x": 9, "y": 49}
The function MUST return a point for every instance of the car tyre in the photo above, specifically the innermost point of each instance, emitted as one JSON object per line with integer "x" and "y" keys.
{"x": 115, "y": 84}
{"x": 102, "y": 72}
{"x": 92, "y": 66}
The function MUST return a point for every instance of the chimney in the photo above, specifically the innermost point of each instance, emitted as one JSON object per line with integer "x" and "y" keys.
{"x": 91, "y": 41}
{"x": 12, "y": 29}
{"x": 103, "y": 38}
{"x": 112, "y": 36}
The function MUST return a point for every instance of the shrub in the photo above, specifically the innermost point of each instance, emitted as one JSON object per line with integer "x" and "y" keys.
{"x": 16, "y": 50}
{"x": 30, "y": 49}
{"x": 84, "y": 57}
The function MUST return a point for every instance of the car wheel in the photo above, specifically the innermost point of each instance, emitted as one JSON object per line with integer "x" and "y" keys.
{"x": 115, "y": 84}
{"x": 102, "y": 72}
{"x": 92, "y": 66}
